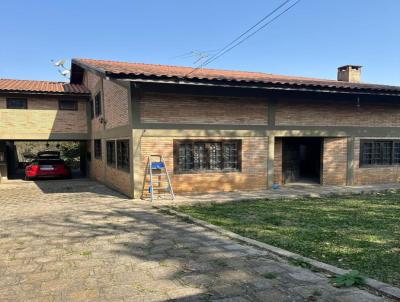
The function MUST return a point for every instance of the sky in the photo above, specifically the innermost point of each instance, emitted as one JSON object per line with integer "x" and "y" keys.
{"x": 312, "y": 39}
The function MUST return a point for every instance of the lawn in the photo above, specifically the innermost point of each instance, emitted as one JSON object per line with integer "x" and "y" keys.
{"x": 360, "y": 232}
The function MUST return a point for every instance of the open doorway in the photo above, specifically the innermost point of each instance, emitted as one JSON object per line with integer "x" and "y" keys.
{"x": 302, "y": 160}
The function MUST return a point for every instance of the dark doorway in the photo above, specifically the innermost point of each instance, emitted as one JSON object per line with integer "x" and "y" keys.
{"x": 301, "y": 159}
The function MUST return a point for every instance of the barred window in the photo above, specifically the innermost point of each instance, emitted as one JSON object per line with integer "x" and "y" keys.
{"x": 97, "y": 148}
{"x": 379, "y": 152}
{"x": 111, "y": 153}
{"x": 123, "y": 155}
{"x": 197, "y": 156}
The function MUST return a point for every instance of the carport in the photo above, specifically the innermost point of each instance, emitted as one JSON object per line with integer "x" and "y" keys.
{"x": 18, "y": 154}
{"x": 39, "y": 116}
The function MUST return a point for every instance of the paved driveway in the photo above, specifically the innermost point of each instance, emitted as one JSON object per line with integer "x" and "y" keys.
{"x": 79, "y": 241}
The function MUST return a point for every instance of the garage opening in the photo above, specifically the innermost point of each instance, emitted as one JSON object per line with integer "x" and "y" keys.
{"x": 20, "y": 154}
{"x": 302, "y": 160}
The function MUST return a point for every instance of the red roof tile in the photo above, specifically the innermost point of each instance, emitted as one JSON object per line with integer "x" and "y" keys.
{"x": 41, "y": 87}
{"x": 152, "y": 70}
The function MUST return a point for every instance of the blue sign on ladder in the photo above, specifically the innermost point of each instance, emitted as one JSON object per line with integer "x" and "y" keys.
{"x": 157, "y": 165}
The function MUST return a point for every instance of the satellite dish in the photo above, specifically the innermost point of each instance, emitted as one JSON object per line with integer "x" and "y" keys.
{"x": 65, "y": 72}
{"x": 59, "y": 63}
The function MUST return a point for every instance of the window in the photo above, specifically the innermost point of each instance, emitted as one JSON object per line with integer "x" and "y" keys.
{"x": 91, "y": 109}
{"x": 111, "y": 153}
{"x": 380, "y": 152}
{"x": 97, "y": 104}
{"x": 197, "y": 156}
{"x": 123, "y": 155}
{"x": 17, "y": 103}
{"x": 97, "y": 148}
{"x": 68, "y": 105}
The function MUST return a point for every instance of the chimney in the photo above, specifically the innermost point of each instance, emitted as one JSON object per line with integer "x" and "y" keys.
{"x": 349, "y": 73}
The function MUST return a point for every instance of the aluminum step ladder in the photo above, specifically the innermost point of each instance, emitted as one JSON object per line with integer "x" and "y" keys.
{"x": 156, "y": 182}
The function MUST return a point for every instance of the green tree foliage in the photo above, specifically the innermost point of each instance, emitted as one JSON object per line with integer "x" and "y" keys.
{"x": 70, "y": 150}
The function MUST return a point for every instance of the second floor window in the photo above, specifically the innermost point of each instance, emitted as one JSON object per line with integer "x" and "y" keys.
{"x": 97, "y": 104}
{"x": 17, "y": 103}
{"x": 68, "y": 105}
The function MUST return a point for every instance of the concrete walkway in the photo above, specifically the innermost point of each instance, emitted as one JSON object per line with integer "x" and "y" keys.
{"x": 80, "y": 241}
{"x": 288, "y": 191}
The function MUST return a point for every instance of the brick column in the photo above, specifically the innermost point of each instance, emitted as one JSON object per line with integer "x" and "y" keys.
{"x": 350, "y": 161}
{"x": 270, "y": 160}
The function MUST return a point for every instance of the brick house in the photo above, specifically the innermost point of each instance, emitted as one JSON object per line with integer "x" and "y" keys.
{"x": 230, "y": 130}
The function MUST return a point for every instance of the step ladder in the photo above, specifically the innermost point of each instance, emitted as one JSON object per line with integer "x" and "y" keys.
{"x": 156, "y": 182}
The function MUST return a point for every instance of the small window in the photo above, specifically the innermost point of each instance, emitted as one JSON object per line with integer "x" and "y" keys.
{"x": 97, "y": 148}
{"x": 207, "y": 156}
{"x": 379, "y": 153}
{"x": 91, "y": 108}
{"x": 68, "y": 105}
{"x": 123, "y": 155}
{"x": 17, "y": 103}
{"x": 111, "y": 153}
{"x": 97, "y": 104}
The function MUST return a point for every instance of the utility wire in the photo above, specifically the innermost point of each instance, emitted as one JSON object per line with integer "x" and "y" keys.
{"x": 252, "y": 34}
{"x": 229, "y": 46}
{"x": 254, "y": 26}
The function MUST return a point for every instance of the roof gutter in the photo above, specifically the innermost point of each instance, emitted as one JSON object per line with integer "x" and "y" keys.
{"x": 263, "y": 87}
{"x": 43, "y": 93}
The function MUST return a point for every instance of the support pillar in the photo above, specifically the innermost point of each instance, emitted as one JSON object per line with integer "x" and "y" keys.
{"x": 350, "y": 161}
{"x": 270, "y": 160}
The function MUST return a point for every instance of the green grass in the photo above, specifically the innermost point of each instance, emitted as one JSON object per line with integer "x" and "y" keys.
{"x": 86, "y": 253}
{"x": 359, "y": 232}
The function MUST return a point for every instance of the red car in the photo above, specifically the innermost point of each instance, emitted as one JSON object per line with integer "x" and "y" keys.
{"x": 47, "y": 165}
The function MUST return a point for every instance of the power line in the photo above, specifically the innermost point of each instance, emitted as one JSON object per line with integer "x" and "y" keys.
{"x": 228, "y": 47}
{"x": 194, "y": 53}
{"x": 252, "y": 34}
{"x": 254, "y": 26}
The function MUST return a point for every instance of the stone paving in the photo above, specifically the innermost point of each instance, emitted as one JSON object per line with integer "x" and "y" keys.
{"x": 79, "y": 241}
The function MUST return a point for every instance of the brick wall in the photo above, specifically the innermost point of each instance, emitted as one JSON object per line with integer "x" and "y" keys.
{"x": 97, "y": 164}
{"x": 94, "y": 83}
{"x": 41, "y": 119}
{"x": 119, "y": 180}
{"x": 331, "y": 113}
{"x": 334, "y": 161}
{"x": 109, "y": 175}
{"x": 187, "y": 109}
{"x": 115, "y": 104}
{"x": 373, "y": 175}
{"x": 278, "y": 161}
{"x": 252, "y": 177}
